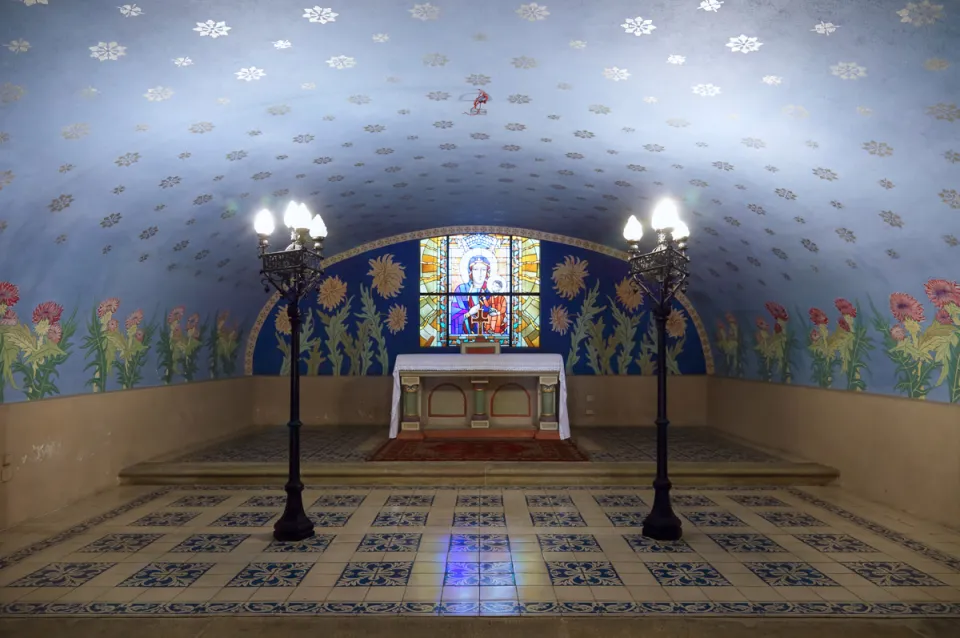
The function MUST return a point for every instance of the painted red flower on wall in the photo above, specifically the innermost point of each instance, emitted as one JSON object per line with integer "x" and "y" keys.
{"x": 107, "y": 306}
{"x": 9, "y": 318}
{"x": 47, "y": 311}
{"x": 762, "y": 324}
{"x": 55, "y": 333}
{"x": 9, "y": 294}
{"x": 842, "y": 322}
{"x": 904, "y": 306}
{"x": 942, "y": 292}
{"x": 777, "y": 311}
{"x": 845, "y": 307}
{"x": 943, "y": 317}
{"x": 819, "y": 317}
{"x": 134, "y": 319}
{"x": 898, "y": 333}
{"x": 175, "y": 315}
{"x": 113, "y": 325}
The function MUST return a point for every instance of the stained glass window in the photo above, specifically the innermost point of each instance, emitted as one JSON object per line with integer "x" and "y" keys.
{"x": 480, "y": 284}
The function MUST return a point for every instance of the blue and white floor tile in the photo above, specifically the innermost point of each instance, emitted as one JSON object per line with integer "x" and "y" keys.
{"x": 195, "y": 550}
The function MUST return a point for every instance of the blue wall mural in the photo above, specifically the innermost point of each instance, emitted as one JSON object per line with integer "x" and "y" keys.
{"x": 51, "y": 347}
{"x": 902, "y": 343}
{"x": 365, "y": 314}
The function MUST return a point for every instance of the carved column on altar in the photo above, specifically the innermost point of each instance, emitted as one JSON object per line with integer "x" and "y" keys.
{"x": 549, "y": 420}
{"x": 480, "y": 418}
{"x": 410, "y": 404}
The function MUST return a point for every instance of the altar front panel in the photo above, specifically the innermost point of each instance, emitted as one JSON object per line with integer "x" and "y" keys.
{"x": 508, "y": 402}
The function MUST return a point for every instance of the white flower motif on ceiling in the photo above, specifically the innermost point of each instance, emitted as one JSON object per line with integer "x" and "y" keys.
{"x": 638, "y": 26}
{"x": 212, "y": 29}
{"x": 706, "y": 90}
{"x": 848, "y": 70}
{"x": 380, "y": 38}
{"x": 533, "y": 12}
{"x": 676, "y": 59}
{"x": 825, "y": 28}
{"x": 710, "y": 5}
{"x": 183, "y": 61}
{"x": 341, "y": 62}
{"x": 282, "y": 44}
{"x": 104, "y": 51}
{"x": 772, "y": 80}
{"x": 616, "y": 74}
{"x": 127, "y": 10}
{"x": 578, "y": 44}
{"x": 158, "y": 94}
{"x": 424, "y": 12}
{"x": 320, "y": 15}
{"x": 744, "y": 44}
{"x": 250, "y": 74}
{"x": 921, "y": 13}
{"x": 18, "y": 46}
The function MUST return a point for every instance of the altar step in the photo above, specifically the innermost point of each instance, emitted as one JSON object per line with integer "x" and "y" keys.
{"x": 478, "y": 473}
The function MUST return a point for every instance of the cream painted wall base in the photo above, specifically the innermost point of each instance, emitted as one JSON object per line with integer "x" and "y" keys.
{"x": 63, "y": 449}
{"x": 901, "y": 452}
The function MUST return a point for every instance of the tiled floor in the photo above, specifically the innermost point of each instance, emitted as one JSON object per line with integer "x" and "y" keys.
{"x": 601, "y": 444}
{"x": 486, "y": 551}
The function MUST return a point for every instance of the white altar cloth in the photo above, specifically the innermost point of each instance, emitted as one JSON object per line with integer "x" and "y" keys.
{"x": 523, "y": 364}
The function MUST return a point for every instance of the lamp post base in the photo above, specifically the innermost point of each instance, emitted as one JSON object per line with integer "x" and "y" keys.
{"x": 294, "y": 525}
{"x": 661, "y": 524}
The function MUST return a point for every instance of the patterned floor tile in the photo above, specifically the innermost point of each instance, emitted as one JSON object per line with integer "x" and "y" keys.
{"x": 244, "y": 519}
{"x": 619, "y": 500}
{"x": 581, "y": 573}
{"x": 316, "y": 544}
{"x": 165, "y": 519}
{"x": 400, "y": 519}
{"x": 409, "y": 500}
{"x": 752, "y": 543}
{"x": 479, "y": 519}
{"x": 557, "y": 519}
{"x": 199, "y": 500}
{"x": 893, "y": 574}
{"x": 708, "y": 518}
{"x": 390, "y": 543}
{"x": 329, "y": 519}
{"x": 692, "y": 500}
{"x": 791, "y": 519}
{"x": 62, "y": 575}
{"x": 211, "y": 543}
{"x": 489, "y": 543}
{"x": 687, "y": 575}
{"x": 790, "y": 575}
{"x": 568, "y": 543}
{"x": 167, "y": 575}
{"x": 643, "y": 545}
{"x": 467, "y": 500}
{"x": 549, "y": 500}
{"x": 120, "y": 543}
{"x": 627, "y": 519}
{"x": 757, "y": 500}
{"x": 339, "y": 500}
{"x": 265, "y": 500}
{"x": 835, "y": 543}
{"x": 391, "y": 574}
{"x": 271, "y": 575}
{"x": 482, "y": 574}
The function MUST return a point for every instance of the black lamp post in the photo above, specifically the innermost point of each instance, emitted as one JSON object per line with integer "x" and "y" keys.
{"x": 294, "y": 272}
{"x": 661, "y": 274}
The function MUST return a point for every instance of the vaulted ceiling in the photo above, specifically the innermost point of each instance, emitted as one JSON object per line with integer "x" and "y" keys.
{"x": 815, "y": 146}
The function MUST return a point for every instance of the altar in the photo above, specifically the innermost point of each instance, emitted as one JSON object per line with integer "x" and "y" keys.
{"x": 464, "y": 393}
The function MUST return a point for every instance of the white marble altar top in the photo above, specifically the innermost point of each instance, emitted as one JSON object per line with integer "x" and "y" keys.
{"x": 532, "y": 362}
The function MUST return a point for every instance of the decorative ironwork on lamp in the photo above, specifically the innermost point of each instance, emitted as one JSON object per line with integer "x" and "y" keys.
{"x": 294, "y": 272}
{"x": 661, "y": 273}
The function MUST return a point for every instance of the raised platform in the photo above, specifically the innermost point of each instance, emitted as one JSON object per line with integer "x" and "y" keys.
{"x": 617, "y": 456}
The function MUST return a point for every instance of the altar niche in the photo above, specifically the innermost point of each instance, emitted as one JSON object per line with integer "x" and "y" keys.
{"x": 487, "y": 406}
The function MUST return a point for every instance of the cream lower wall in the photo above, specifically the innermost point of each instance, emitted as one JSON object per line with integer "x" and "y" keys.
{"x": 591, "y": 400}
{"x": 57, "y": 451}
{"x": 901, "y": 452}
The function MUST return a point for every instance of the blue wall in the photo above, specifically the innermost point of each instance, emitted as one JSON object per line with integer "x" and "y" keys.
{"x": 599, "y": 284}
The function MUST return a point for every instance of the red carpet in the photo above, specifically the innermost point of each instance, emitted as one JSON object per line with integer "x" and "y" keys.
{"x": 478, "y": 450}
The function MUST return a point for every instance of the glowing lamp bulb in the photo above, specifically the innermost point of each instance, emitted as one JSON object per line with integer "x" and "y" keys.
{"x": 633, "y": 231}
{"x": 263, "y": 223}
{"x": 665, "y": 215}
{"x": 291, "y": 214}
{"x": 318, "y": 230}
{"x": 680, "y": 231}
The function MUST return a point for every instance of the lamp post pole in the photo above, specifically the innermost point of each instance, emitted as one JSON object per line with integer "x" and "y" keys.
{"x": 293, "y": 273}
{"x": 661, "y": 273}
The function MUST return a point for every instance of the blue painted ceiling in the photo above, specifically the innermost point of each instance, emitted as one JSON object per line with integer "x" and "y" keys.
{"x": 813, "y": 144}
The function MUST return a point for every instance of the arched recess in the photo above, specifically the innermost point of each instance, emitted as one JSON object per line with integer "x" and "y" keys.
{"x": 505, "y": 414}
{"x": 456, "y": 230}
{"x": 462, "y": 409}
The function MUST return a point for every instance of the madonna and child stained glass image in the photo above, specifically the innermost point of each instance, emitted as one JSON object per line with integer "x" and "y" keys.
{"x": 480, "y": 285}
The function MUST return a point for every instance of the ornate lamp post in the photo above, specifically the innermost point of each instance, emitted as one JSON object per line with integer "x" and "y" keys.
{"x": 661, "y": 274}
{"x": 294, "y": 272}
